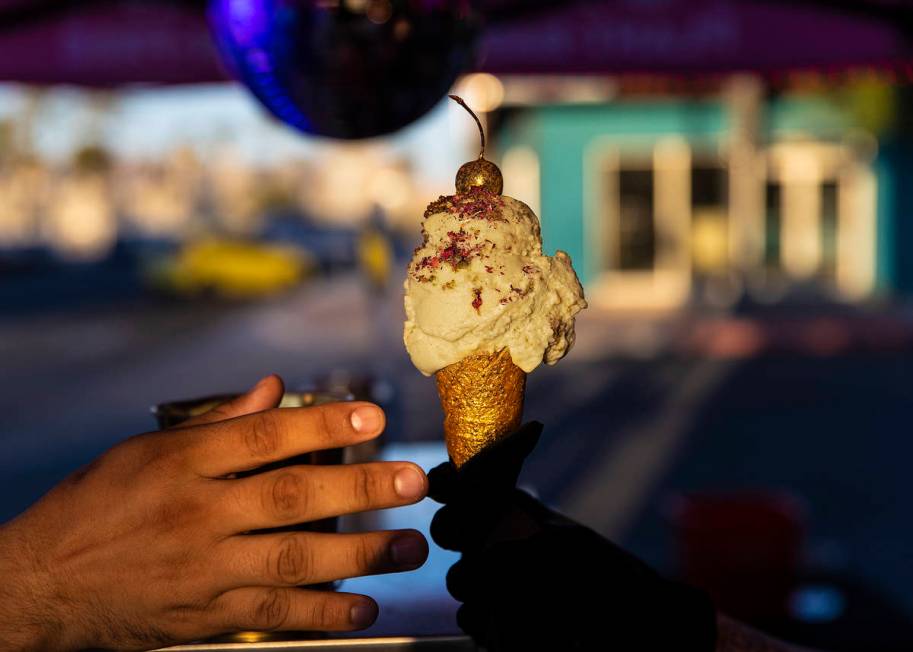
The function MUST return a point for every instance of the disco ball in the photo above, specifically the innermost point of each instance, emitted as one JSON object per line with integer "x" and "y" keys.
{"x": 346, "y": 68}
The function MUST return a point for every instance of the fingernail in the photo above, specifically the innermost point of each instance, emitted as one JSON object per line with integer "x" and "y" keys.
{"x": 409, "y": 483}
{"x": 367, "y": 418}
{"x": 363, "y": 614}
{"x": 260, "y": 383}
{"x": 408, "y": 551}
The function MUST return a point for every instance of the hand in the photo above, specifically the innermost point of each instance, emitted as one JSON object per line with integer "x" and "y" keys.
{"x": 530, "y": 578}
{"x": 154, "y": 543}
{"x": 480, "y": 492}
{"x": 490, "y": 474}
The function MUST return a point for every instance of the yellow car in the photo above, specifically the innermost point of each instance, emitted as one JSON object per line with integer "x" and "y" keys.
{"x": 232, "y": 268}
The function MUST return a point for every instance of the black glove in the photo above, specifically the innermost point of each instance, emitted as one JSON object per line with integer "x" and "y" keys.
{"x": 531, "y": 579}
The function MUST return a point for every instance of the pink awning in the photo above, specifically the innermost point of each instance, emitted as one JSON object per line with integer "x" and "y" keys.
{"x": 130, "y": 41}
{"x": 694, "y": 36}
{"x": 106, "y": 44}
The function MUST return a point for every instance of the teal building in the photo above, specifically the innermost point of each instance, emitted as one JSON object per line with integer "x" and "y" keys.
{"x": 667, "y": 201}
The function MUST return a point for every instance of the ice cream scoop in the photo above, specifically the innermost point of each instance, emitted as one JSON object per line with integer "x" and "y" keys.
{"x": 480, "y": 283}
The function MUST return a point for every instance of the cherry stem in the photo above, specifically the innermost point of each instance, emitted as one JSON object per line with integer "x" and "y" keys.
{"x": 459, "y": 100}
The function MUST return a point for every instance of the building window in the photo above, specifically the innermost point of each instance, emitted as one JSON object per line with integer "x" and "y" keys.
{"x": 637, "y": 222}
{"x": 829, "y": 228}
{"x": 773, "y": 218}
{"x": 709, "y": 186}
{"x": 709, "y": 218}
{"x": 636, "y": 238}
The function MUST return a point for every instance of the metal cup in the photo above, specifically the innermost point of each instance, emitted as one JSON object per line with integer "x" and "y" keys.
{"x": 173, "y": 413}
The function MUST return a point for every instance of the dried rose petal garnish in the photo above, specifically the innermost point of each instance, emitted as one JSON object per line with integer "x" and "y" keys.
{"x": 478, "y": 204}
{"x": 477, "y": 301}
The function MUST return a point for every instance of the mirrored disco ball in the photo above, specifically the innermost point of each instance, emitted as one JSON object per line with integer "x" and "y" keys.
{"x": 346, "y": 68}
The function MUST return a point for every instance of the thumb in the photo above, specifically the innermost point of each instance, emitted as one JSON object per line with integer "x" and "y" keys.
{"x": 265, "y": 395}
{"x": 442, "y": 482}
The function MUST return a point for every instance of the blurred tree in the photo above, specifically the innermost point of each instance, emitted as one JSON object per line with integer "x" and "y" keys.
{"x": 274, "y": 197}
{"x": 92, "y": 159}
{"x": 7, "y": 141}
{"x": 870, "y": 99}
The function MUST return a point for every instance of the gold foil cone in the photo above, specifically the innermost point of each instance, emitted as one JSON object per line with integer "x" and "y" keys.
{"x": 482, "y": 397}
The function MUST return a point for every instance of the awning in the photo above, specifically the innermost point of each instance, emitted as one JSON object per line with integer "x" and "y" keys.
{"x": 111, "y": 42}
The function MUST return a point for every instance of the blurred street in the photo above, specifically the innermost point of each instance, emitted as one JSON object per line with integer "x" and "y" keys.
{"x": 632, "y": 415}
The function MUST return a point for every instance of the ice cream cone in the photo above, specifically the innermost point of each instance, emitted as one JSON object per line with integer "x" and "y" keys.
{"x": 480, "y": 281}
{"x": 482, "y": 398}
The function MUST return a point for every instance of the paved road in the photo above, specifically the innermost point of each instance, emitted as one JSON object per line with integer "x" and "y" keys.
{"x": 834, "y": 431}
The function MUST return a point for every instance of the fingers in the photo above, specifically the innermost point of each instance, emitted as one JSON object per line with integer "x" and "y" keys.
{"x": 252, "y": 440}
{"x": 493, "y": 471}
{"x": 459, "y": 579}
{"x": 298, "y": 494}
{"x": 444, "y": 529}
{"x": 301, "y": 558}
{"x": 461, "y": 528}
{"x": 265, "y": 395}
{"x": 472, "y": 621}
{"x": 291, "y": 609}
{"x": 442, "y": 483}
{"x": 466, "y": 526}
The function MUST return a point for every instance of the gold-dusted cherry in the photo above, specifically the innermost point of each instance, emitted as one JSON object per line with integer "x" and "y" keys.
{"x": 480, "y": 173}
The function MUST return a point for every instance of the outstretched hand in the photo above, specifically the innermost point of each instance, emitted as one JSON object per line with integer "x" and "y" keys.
{"x": 162, "y": 540}
{"x": 530, "y": 578}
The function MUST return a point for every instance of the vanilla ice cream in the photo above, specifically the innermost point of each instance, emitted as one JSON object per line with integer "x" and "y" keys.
{"x": 479, "y": 283}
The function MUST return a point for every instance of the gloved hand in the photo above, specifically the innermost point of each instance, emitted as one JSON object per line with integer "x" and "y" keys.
{"x": 531, "y": 579}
